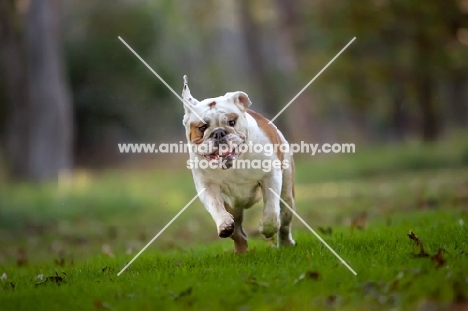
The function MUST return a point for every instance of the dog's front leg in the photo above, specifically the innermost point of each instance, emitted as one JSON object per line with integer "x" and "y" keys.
{"x": 214, "y": 204}
{"x": 271, "y": 210}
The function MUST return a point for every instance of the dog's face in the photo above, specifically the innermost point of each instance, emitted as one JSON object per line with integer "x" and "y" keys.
{"x": 223, "y": 129}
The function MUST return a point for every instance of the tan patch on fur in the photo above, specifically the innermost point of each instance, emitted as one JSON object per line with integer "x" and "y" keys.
{"x": 232, "y": 116}
{"x": 195, "y": 135}
{"x": 211, "y": 105}
{"x": 269, "y": 129}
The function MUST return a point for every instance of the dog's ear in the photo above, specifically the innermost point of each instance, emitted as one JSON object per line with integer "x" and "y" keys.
{"x": 187, "y": 97}
{"x": 188, "y": 100}
{"x": 240, "y": 99}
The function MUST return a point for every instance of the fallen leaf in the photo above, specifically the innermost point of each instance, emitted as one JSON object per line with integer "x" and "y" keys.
{"x": 459, "y": 306}
{"x": 185, "y": 292}
{"x": 98, "y": 304}
{"x": 369, "y": 287}
{"x": 52, "y": 279}
{"x": 359, "y": 222}
{"x": 60, "y": 261}
{"x": 21, "y": 258}
{"x": 419, "y": 243}
{"x": 112, "y": 232}
{"x": 142, "y": 237}
{"x": 438, "y": 258}
{"x": 427, "y": 304}
{"x": 427, "y": 203}
{"x": 252, "y": 280}
{"x": 414, "y": 237}
{"x": 8, "y": 285}
{"x": 326, "y": 231}
{"x": 460, "y": 301}
{"x": 107, "y": 269}
{"x": 394, "y": 285}
{"x": 331, "y": 300}
{"x": 107, "y": 250}
{"x": 313, "y": 275}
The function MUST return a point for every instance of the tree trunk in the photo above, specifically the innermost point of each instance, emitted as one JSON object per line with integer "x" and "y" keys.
{"x": 50, "y": 117}
{"x": 424, "y": 89}
{"x": 14, "y": 75}
{"x": 398, "y": 115}
{"x": 253, "y": 41}
{"x": 304, "y": 124}
{"x": 458, "y": 101}
{"x": 429, "y": 125}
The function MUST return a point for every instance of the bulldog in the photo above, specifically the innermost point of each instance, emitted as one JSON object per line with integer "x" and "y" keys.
{"x": 218, "y": 140}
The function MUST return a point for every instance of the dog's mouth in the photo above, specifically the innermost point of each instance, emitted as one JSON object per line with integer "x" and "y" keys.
{"x": 222, "y": 155}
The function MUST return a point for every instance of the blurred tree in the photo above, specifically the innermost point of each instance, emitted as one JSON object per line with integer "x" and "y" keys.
{"x": 405, "y": 53}
{"x": 14, "y": 74}
{"x": 117, "y": 99}
{"x": 51, "y": 119}
{"x": 406, "y": 73}
{"x": 252, "y": 33}
{"x": 40, "y": 128}
{"x": 302, "y": 116}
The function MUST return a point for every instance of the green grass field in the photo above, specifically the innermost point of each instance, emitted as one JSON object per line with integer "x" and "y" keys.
{"x": 61, "y": 246}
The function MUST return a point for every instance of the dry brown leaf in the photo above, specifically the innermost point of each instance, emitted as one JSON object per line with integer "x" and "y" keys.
{"x": 98, "y": 304}
{"x": 312, "y": 275}
{"x": 438, "y": 258}
{"x": 326, "y": 231}
{"x": 331, "y": 300}
{"x": 52, "y": 279}
{"x": 8, "y": 285}
{"x": 107, "y": 250}
{"x": 183, "y": 293}
{"x": 107, "y": 269}
{"x": 252, "y": 280}
{"x": 21, "y": 258}
{"x": 359, "y": 222}
{"x": 60, "y": 262}
{"x": 419, "y": 243}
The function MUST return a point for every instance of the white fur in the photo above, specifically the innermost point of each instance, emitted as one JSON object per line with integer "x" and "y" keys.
{"x": 241, "y": 188}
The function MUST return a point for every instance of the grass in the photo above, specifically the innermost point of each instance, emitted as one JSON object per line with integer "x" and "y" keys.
{"x": 61, "y": 246}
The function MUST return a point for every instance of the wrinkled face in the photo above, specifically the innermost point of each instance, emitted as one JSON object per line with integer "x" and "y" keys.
{"x": 225, "y": 127}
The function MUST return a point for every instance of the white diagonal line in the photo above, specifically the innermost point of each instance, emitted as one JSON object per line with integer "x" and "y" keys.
{"x": 162, "y": 80}
{"x": 315, "y": 233}
{"x": 310, "y": 82}
{"x": 160, "y": 232}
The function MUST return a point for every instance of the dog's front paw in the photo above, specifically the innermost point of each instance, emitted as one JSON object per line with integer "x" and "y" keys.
{"x": 269, "y": 226}
{"x": 226, "y": 226}
{"x": 286, "y": 242}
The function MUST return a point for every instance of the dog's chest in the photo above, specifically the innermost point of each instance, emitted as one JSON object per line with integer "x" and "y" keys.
{"x": 239, "y": 188}
{"x": 241, "y": 195}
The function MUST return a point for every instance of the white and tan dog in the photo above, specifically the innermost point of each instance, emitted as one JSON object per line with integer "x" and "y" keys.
{"x": 229, "y": 189}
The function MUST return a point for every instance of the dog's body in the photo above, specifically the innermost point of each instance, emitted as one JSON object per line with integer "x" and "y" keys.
{"x": 228, "y": 121}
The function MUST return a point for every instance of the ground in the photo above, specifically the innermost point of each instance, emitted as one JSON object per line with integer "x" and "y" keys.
{"x": 63, "y": 245}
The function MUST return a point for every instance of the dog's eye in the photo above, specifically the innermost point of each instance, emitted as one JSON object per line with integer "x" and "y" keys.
{"x": 203, "y": 128}
{"x": 232, "y": 122}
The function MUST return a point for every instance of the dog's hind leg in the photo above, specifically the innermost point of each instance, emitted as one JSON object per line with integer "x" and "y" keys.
{"x": 287, "y": 194}
{"x": 239, "y": 236}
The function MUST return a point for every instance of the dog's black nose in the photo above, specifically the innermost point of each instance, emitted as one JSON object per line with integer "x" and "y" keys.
{"x": 218, "y": 134}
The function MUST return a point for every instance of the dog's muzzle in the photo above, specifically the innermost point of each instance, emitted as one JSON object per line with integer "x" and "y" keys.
{"x": 219, "y": 137}
{"x": 225, "y": 153}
